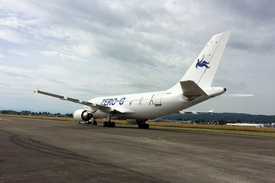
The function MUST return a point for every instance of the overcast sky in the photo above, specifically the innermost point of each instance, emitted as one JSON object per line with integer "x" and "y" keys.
{"x": 86, "y": 49}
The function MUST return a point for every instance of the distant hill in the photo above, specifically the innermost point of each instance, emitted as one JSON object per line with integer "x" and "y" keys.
{"x": 237, "y": 117}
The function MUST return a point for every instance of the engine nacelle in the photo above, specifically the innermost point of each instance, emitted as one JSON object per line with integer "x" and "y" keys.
{"x": 82, "y": 115}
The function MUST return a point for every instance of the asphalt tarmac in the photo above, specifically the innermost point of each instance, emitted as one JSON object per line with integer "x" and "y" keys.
{"x": 34, "y": 150}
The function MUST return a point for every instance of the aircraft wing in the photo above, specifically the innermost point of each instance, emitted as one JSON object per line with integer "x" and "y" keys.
{"x": 106, "y": 108}
{"x": 196, "y": 112}
{"x": 124, "y": 110}
{"x": 94, "y": 106}
{"x": 238, "y": 95}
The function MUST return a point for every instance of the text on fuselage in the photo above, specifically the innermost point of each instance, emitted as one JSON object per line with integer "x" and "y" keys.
{"x": 112, "y": 101}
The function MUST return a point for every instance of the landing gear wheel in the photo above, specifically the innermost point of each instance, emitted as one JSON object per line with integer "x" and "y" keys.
{"x": 94, "y": 123}
{"x": 143, "y": 126}
{"x": 109, "y": 124}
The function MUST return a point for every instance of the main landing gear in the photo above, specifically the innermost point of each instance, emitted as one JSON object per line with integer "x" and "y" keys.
{"x": 142, "y": 124}
{"x": 109, "y": 124}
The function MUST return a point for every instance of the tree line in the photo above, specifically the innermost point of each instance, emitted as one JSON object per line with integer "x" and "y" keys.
{"x": 29, "y": 113}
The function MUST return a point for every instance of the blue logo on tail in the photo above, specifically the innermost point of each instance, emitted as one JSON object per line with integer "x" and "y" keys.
{"x": 202, "y": 63}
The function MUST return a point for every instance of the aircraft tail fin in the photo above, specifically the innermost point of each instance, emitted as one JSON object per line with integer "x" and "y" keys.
{"x": 204, "y": 68}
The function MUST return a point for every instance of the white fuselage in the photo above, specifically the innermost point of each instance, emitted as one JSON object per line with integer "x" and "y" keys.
{"x": 148, "y": 105}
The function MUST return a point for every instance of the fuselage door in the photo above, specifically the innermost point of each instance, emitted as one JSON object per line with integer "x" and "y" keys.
{"x": 158, "y": 99}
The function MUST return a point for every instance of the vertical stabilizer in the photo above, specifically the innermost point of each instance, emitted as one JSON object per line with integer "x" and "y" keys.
{"x": 204, "y": 68}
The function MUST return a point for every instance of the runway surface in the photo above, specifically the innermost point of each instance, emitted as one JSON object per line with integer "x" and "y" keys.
{"x": 33, "y": 150}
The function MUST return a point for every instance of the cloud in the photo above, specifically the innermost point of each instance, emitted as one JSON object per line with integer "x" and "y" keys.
{"x": 96, "y": 48}
{"x": 20, "y": 53}
{"x": 12, "y": 36}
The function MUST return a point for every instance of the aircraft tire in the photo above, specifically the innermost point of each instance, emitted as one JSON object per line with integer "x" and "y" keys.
{"x": 105, "y": 124}
{"x": 143, "y": 126}
{"x": 113, "y": 124}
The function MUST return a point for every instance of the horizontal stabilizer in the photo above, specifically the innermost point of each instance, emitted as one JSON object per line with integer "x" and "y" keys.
{"x": 191, "y": 90}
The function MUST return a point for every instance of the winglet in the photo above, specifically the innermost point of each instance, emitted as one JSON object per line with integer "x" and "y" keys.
{"x": 37, "y": 89}
{"x": 211, "y": 111}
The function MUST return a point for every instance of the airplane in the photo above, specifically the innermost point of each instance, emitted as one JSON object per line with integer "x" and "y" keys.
{"x": 193, "y": 88}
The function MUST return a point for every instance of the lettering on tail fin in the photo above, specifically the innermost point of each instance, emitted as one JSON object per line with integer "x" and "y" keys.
{"x": 202, "y": 63}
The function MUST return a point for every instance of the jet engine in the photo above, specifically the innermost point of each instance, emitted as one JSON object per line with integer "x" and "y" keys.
{"x": 82, "y": 115}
